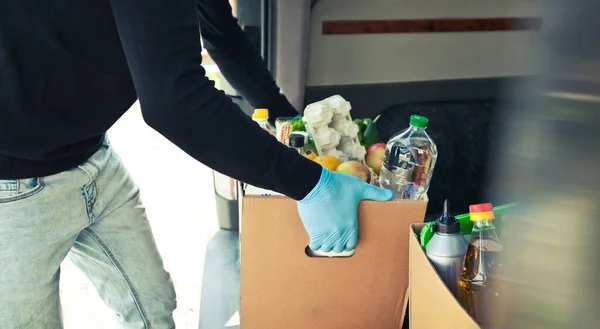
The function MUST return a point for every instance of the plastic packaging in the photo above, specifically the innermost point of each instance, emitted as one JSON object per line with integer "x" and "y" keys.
{"x": 409, "y": 161}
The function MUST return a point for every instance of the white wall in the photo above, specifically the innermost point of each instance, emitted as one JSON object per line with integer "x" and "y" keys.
{"x": 381, "y": 58}
{"x": 291, "y": 42}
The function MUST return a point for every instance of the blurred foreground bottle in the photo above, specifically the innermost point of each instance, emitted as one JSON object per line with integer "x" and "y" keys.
{"x": 550, "y": 164}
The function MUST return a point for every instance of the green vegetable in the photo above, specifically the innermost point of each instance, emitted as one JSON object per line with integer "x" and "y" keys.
{"x": 361, "y": 130}
{"x": 313, "y": 147}
{"x": 360, "y": 124}
{"x": 298, "y": 124}
{"x": 371, "y": 135}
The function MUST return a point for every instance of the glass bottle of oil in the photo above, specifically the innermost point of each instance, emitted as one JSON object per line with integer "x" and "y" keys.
{"x": 479, "y": 288}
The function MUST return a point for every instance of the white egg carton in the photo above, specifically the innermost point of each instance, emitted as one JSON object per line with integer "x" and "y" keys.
{"x": 331, "y": 127}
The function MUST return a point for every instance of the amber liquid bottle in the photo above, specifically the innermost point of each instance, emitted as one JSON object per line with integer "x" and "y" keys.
{"x": 479, "y": 289}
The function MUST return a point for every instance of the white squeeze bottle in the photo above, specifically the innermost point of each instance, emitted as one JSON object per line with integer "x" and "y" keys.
{"x": 409, "y": 160}
{"x": 446, "y": 249}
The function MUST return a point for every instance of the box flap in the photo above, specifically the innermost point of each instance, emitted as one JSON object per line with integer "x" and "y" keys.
{"x": 432, "y": 305}
{"x": 282, "y": 287}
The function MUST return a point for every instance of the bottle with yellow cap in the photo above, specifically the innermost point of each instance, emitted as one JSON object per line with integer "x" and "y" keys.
{"x": 261, "y": 116}
{"x": 479, "y": 289}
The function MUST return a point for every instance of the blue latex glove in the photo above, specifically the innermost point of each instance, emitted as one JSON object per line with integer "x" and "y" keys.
{"x": 330, "y": 211}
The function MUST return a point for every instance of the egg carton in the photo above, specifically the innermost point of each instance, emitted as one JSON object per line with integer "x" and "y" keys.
{"x": 330, "y": 124}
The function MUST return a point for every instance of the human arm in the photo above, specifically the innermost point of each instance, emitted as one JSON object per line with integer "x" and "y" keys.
{"x": 162, "y": 46}
{"x": 239, "y": 61}
{"x": 161, "y": 42}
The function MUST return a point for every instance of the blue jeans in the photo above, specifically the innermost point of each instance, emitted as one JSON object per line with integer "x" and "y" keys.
{"x": 94, "y": 214}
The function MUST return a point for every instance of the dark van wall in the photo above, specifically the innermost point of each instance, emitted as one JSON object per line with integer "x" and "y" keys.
{"x": 465, "y": 117}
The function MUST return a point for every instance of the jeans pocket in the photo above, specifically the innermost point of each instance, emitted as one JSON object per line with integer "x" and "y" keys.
{"x": 19, "y": 189}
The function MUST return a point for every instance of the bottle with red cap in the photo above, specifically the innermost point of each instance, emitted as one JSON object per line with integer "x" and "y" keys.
{"x": 479, "y": 286}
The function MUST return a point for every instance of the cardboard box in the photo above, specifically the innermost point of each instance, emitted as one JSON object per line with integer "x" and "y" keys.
{"x": 282, "y": 287}
{"x": 432, "y": 305}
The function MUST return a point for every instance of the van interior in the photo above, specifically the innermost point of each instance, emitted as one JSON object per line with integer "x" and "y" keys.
{"x": 451, "y": 61}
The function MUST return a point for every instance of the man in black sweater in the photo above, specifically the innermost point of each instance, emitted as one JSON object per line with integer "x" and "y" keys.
{"x": 68, "y": 70}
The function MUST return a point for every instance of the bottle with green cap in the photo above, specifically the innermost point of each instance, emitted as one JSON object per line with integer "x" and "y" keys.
{"x": 409, "y": 160}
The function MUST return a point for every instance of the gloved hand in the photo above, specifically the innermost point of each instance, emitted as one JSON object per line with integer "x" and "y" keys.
{"x": 330, "y": 211}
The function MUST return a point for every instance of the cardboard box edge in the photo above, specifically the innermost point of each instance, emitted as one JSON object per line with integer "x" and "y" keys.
{"x": 467, "y": 321}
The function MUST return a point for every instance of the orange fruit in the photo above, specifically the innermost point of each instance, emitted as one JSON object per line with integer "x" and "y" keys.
{"x": 310, "y": 155}
{"x": 328, "y": 161}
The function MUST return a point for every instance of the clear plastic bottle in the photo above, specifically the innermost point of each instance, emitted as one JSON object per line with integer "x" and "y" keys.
{"x": 261, "y": 116}
{"x": 409, "y": 160}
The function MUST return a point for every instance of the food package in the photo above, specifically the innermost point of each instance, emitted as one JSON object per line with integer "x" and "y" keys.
{"x": 285, "y": 126}
{"x": 330, "y": 124}
{"x": 284, "y": 130}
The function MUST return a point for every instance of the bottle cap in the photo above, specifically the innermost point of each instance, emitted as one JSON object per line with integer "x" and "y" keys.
{"x": 447, "y": 223}
{"x": 483, "y": 211}
{"x": 296, "y": 140}
{"x": 419, "y": 121}
{"x": 260, "y": 114}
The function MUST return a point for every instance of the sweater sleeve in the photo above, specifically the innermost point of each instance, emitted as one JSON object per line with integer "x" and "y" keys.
{"x": 161, "y": 42}
{"x": 239, "y": 61}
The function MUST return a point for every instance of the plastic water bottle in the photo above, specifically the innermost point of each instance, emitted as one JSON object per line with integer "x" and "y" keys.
{"x": 447, "y": 248}
{"x": 409, "y": 160}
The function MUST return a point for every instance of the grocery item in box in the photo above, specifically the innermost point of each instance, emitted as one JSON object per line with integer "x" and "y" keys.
{"x": 447, "y": 249}
{"x": 409, "y": 161}
{"x": 299, "y": 141}
{"x": 348, "y": 146}
{"x": 338, "y": 105}
{"x": 332, "y": 128}
{"x": 284, "y": 126}
{"x": 284, "y": 131}
{"x": 336, "y": 153}
{"x": 345, "y": 127}
{"x": 480, "y": 288}
{"x": 261, "y": 116}
{"x": 466, "y": 226}
{"x": 326, "y": 139}
{"x": 317, "y": 115}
